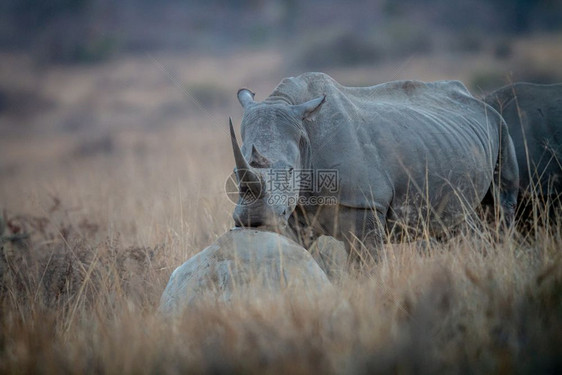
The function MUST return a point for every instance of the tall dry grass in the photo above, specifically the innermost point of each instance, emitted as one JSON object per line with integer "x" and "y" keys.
{"x": 90, "y": 242}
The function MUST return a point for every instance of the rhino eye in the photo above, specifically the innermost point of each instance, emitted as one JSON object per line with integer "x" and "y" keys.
{"x": 291, "y": 170}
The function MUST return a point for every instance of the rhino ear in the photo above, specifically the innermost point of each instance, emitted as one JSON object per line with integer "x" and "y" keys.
{"x": 308, "y": 110}
{"x": 245, "y": 97}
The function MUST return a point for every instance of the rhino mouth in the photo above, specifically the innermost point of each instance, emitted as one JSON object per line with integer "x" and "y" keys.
{"x": 259, "y": 215}
{"x": 260, "y": 223}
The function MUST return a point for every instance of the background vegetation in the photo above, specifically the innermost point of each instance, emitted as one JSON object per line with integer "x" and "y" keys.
{"x": 114, "y": 151}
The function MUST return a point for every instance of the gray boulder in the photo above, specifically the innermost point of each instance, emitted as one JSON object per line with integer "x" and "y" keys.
{"x": 243, "y": 263}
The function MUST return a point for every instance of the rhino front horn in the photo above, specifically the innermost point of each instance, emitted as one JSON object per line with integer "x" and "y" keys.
{"x": 244, "y": 172}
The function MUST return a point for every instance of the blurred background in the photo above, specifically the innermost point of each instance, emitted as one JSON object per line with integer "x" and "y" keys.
{"x": 100, "y": 94}
{"x": 75, "y": 65}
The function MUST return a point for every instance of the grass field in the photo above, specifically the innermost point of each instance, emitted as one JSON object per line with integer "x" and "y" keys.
{"x": 114, "y": 175}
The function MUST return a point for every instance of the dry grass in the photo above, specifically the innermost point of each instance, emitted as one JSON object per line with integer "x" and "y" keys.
{"x": 109, "y": 216}
{"x": 80, "y": 294}
{"x": 76, "y": 302}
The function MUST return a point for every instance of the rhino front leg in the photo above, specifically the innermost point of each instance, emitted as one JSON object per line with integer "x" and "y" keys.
{"x": 363, "y": 233}
{"x": 373, "y": 236}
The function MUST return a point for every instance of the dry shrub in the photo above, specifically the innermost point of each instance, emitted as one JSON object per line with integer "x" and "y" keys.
{"x": 50, "y": 264}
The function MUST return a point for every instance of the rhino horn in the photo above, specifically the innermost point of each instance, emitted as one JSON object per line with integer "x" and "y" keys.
{"x": 241, "y": 162}
{"x": 247, "y": 176}
{"x": 258, "y": 159}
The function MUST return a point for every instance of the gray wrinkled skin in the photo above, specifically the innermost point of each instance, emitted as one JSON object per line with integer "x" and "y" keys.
{"x": 243, "y": 264}
{"x": 533, "y": 114}
{"x": 409, "y": 155}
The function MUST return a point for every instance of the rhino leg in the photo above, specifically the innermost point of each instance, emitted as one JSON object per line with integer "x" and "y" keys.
{"x": 362, "y": 231}
{"x": 504, "y": 190}
{"x": 507, "y": 176}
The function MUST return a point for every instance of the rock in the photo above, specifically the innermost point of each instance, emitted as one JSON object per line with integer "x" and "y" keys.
{"x": 243, "y": 263}
{"x": 331, "y": 256}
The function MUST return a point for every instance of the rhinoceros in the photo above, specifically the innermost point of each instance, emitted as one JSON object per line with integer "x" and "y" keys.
{"x": 533, "y": 114}
{"x": 401, "y": 158}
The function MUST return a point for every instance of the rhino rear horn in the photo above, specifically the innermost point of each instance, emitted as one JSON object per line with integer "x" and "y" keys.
{"x": 258, "y": 159}
{"x": 245, "y": 97}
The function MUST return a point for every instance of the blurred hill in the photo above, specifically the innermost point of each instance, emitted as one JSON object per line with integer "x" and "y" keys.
{"x": 101, "y": 65}
{"x": 91, "y": 30}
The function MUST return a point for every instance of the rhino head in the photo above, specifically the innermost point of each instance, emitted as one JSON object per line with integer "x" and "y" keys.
{"x": 275, "y": 145}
